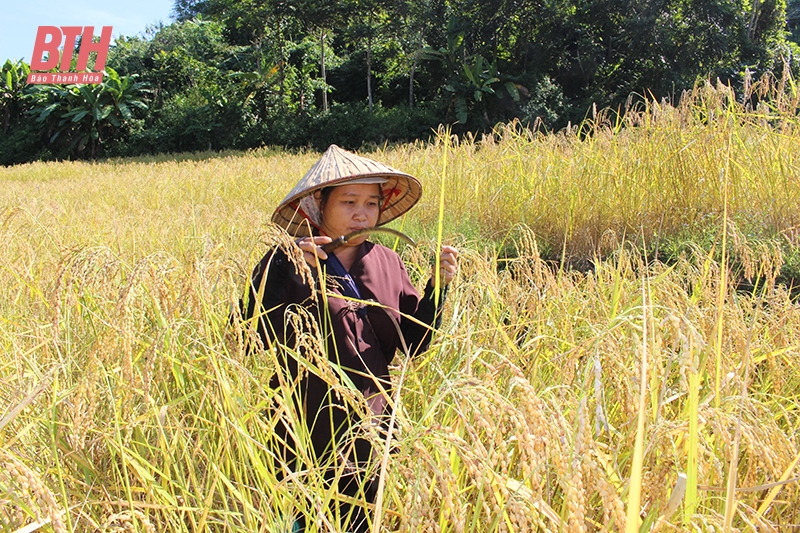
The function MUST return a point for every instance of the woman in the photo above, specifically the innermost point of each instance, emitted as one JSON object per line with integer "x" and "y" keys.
{"x": 343, "y": 193}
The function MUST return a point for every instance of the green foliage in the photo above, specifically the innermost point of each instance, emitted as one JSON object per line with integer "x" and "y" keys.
{"x": 280, "y": 127}
{"x": 545, "y": 104}
{"x": 204, "y": 90}
{"x": 226, "y": 70}
{"x": 21, "y": 144}
{"x": 793, "y": 20}
{"x": 790, "y": 271}
{"x": 469, "y": 79}
{"x": 179, "y": 57}
{"x": 353, "y": 125}
{"x": 200, "y": 119}
{"x": 81, "y": 120}
{"x": 12, "y": 92}
{"x": 18, "y": 142}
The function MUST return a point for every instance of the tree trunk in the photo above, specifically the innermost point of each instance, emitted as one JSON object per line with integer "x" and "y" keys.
{"x": 413, "y": 71}
{"x": 322, "y": 65}
{"x": 369, "y": 71}
{"x": 751, "y": 30}
{"x": 281, "y": 64}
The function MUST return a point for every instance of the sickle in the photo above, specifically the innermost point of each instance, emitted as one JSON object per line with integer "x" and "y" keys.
{"x": 336, "y": 243}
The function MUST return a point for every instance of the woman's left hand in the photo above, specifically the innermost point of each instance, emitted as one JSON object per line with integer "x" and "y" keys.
{"x": 448, "y": 265}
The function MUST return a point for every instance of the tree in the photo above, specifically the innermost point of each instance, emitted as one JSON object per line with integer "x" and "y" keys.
{"x": 318, "y": 17}
{"x": 793, "y": 20}
{"x": 19, "y": 140}
{"x": 13, "y": 83}
{"x": 81, "y": 117}
{"x": 366, "y": 29}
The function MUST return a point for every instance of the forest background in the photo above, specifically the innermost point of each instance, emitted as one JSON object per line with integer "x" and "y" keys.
{"x": 240, "y": 74}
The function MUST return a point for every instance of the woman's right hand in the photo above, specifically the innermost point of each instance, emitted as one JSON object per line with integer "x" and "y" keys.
{"x": 312, "y": 249}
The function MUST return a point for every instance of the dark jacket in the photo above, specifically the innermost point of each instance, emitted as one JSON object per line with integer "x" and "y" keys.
{"x": 362, "y": 343}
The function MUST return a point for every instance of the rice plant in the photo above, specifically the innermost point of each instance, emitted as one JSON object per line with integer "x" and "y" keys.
{"x": 648, "y": 391}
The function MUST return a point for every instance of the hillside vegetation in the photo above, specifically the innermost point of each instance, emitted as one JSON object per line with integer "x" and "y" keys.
{"x": 243, "y": 74}
{"x": 620, "y": 350}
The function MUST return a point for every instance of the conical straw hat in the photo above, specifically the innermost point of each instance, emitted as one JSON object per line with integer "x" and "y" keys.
{"x": 338, "y": 167}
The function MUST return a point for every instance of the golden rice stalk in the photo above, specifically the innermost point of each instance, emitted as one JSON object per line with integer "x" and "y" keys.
{"x": 24, "y": 484}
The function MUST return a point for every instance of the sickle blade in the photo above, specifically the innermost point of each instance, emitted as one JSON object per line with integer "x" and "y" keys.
{"x": 336, "y": 243}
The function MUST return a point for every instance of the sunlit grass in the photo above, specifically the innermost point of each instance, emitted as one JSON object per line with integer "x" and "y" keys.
{"x": 551, "y": 400}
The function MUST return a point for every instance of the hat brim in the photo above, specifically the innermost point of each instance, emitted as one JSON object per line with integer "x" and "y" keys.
{"x": 400, "y": 191}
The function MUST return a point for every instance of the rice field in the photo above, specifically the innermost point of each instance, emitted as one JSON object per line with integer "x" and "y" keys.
{"x": 620, "y": 350}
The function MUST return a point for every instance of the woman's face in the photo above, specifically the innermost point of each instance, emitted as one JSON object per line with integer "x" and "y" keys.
{"x": 349, "y": 208}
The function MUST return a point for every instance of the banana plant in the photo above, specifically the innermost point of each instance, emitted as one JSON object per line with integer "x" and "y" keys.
{"x": 13, "y": 95}
{"x": 264, "y": 77}
{"x": 88, "y": 117}
{"x": 470, "y": 76}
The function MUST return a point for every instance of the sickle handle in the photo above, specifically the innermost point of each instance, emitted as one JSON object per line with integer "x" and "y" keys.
{"x": 334, "y": 244}
{"x": 339, "y": 241}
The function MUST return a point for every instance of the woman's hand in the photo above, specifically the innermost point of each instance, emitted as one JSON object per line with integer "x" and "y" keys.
{"x": 448, "y": 265}
{"x": 312, "y": 250}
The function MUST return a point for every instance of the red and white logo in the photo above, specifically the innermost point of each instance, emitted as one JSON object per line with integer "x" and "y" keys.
{"x": 48, "y": 40}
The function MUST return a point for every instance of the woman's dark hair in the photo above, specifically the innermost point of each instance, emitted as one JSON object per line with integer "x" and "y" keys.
{"x": 324, "y": 194}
